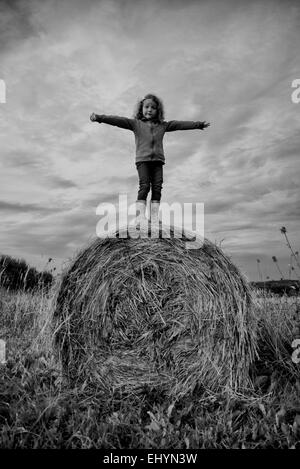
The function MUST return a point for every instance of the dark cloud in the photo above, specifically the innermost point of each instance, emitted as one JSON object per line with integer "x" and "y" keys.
{"x": 58, "y": 246}
{"x": 37, "y": 165}
{"x": 93, "y": 202}
{"x": 210, "y": 66}
{"x": 117, "y": 180}
{"x": 218, "y": 206}
{"x": 292, "y": 213}
{"x": 59, "y": 182}
{"x": 83, "y": 220}
{"x": 23, "y": 158}
{"x": 283, "y": 148}
{"x": 73, "y": 230}
{"x": 27, "y": 208}
{"x": 16, "y": 23}
{"x": 237, "y": 227}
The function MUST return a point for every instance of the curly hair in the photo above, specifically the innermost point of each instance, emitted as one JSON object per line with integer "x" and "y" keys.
{"x": 160, "y": 108}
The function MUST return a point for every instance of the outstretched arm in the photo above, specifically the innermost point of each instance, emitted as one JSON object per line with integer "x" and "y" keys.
{"x": 118, "y": 121}
{"x": 186, "y": 125}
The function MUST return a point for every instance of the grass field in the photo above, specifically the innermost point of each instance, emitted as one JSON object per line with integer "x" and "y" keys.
{"x": 39, "y": 410}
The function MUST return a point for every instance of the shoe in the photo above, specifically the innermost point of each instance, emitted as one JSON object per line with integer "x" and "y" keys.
{"x": 154, "y": 218}
{"x": 141, "y": 219}
{"x": 154, "y": 211}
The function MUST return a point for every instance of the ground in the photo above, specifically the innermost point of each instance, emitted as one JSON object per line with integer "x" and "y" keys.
{"x": 39, "y": 410}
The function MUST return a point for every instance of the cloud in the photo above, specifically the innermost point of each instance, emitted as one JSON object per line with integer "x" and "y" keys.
{"x": 59, "y": 182}
{"x": 15, "y": 24}
{"x": 230, "y": 63}
{"x": 11, "y": 207}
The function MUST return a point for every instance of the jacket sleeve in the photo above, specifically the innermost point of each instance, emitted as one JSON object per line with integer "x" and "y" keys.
{"x": 118, "y": 121}
{"x": 183, "y": 125}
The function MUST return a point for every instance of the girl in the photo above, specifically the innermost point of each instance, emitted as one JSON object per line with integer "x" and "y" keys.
{"x": 149, "y": 128}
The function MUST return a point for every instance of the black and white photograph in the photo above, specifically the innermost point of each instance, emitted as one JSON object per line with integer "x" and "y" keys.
{"x": 150, "y": 220}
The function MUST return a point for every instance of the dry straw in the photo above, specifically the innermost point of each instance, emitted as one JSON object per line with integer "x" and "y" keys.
{"x": 136, "y": 314}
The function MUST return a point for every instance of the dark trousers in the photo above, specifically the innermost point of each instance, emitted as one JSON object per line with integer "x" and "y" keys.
{"x": 150, "y": 175}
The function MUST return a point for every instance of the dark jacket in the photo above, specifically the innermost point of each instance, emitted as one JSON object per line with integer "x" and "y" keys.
{"x": 148, "y": 135}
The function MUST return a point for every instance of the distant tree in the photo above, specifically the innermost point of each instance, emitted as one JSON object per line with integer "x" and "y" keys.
{"x": 16, "y": 274}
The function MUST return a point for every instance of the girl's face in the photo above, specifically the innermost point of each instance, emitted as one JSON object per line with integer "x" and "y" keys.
{"x": 149, "y": 109}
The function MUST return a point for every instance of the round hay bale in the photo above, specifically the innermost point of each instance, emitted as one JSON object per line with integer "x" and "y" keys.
{"x": 148, "y": 313}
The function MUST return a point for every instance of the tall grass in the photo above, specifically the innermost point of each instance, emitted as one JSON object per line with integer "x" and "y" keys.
{"x": 38, "y": 410}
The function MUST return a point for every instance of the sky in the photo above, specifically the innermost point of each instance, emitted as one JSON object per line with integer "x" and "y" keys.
{"x": 231, "y": 63}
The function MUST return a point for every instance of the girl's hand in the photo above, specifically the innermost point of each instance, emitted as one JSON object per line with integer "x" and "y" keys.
{"x": 93, "y": 117}
{"x": 204, "y": 124}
